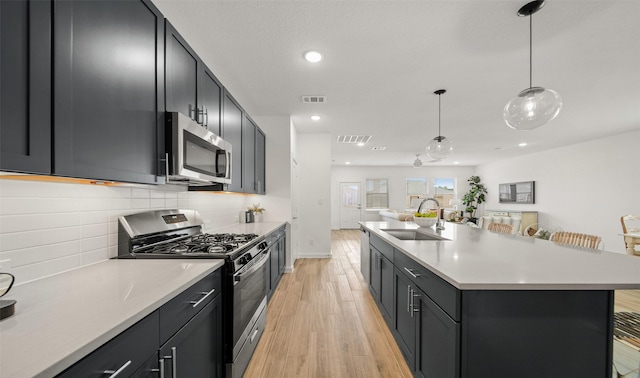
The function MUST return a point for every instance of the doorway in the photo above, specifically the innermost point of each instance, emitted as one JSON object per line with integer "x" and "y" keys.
{"x": 350, "y": 205}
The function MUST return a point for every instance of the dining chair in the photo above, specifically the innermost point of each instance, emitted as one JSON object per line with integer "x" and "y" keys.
{"x": 576, "y": 239}
{"x": 503, "y": 228}
{"x": 630, "y": 225}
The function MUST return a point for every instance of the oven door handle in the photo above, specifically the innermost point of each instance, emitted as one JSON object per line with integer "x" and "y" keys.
{"x": 265, "y": 257}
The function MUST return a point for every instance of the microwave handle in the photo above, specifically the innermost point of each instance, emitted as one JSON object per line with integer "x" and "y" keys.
{"x": 228, "y": 164}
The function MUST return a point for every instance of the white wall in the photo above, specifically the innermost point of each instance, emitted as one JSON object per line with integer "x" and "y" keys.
{"x": 314, "y": 159}
{"x": 49, "y": 227}
{"x": 583, "y": 188}
{"x": 397, "y": 183}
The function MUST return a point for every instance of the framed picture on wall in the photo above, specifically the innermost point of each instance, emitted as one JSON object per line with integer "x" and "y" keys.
{"x": 517, "y": 192}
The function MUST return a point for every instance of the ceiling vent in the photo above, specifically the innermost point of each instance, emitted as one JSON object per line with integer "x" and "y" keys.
{"x": 314, "y": 99}
{"x": 353, "y": 138}
{"x": 378, "y": 148}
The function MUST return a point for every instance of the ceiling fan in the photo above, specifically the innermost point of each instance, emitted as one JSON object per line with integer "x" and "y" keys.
{"x": 418, "y": 163}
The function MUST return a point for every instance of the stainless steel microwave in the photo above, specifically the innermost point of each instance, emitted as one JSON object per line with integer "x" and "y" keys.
{"x": 194, "y": 155}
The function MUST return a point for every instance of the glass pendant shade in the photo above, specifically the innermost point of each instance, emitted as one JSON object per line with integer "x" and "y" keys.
{"x": 439, "y": 148}
{"x": 532, "y": 108}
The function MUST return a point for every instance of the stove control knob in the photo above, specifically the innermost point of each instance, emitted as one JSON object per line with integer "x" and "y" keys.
{"x": 243, "y": 260}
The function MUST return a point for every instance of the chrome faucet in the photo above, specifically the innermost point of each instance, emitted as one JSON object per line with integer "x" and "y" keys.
{"x": 439, "y": 226}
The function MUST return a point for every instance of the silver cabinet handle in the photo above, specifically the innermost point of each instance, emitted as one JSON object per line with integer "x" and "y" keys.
{"x": 114, "y": 373}
{"x": 160, "y": 368}
{"x": 205, "y": 117}
{"x": 174, "y": 362}
{"x": 410, "y": 271}
{"x": 253, "y": 335}
{"x": 413, "y": 302}
{"x": 409, "y": 298}
{"x": 206, "y": 294}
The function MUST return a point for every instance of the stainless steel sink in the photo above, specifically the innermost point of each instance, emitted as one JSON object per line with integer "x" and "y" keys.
{"x": 412, "y": 235}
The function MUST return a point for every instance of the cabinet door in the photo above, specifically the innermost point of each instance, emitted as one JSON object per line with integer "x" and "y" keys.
{"x": 196, "y": 350}
{"x": 281, "y": 255}
{"x": 182, "y": 75}
{"x": 386, "y": 290}
{"x": 405, "y": 319}
{"x": 438, "y": 342}
{"x": 376, "y": 273}
{"x": 275, "y": 264}
{"x": 25, "y": 93}
{"x": 108, "y": 90}
{"x": 232, "y": 131}
{"x": 260, "y": 169}
{"x": 210, "y": 101}
{"x": 249, "y": 155}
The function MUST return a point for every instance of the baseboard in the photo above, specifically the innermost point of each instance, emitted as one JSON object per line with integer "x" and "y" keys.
{"x": 315, "y": 256}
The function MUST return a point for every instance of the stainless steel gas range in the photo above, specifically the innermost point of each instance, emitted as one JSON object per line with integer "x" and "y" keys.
{"x": 178, "y": 234}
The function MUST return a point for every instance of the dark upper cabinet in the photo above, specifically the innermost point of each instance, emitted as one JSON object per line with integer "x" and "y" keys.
{"x": 191, "y": 88}
{"x": 108, "y": 90}
{"x": 181, "y": 74}
{"x": 210, "y": 102}
{"x": 248, "y": 155}
{"x": 233, "y": 133}
{"x": 25, "y": 93}
{"x": 260, "y": 158}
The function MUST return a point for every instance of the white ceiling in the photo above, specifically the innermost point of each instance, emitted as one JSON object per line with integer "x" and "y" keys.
{"x": 384, "y": 59}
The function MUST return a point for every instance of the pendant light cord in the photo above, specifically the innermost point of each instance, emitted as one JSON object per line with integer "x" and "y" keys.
{"x": 530, "y": 51}
{"x": 439, "y": 112}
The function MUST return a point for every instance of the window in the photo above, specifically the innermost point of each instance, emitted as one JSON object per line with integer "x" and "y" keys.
{"x": 377, "y": 194}
{"x": 444, "y": 190}
{"x": 416, "y": 191}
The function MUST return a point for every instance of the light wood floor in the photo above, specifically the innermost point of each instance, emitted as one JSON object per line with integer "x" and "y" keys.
{"x": 322, "y": 322}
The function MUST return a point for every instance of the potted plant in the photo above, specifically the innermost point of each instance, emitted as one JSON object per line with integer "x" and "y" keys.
{"x": 257, "y": 211}
{"x": 474, "y": 197}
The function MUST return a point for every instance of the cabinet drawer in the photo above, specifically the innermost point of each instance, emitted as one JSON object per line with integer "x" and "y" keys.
{"x": 382, "y": 246}
{"x": 441, "y": 292}
{"x": 185, "y": 305}
{"x": 131, "y": 348}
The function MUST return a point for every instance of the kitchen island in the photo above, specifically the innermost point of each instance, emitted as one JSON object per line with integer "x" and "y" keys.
{"x": 472, "y": 303}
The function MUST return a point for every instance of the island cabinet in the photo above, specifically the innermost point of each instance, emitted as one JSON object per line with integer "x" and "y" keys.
{"x": 428, "y": 336}
{"x": 447, "y": 332}
{"x": 191, "y": 87}
{"x": 25, "y": 93}
{"x": 108, "y": 91}
{"x": 183, "y": 338}
{"x": 382, "y": 277}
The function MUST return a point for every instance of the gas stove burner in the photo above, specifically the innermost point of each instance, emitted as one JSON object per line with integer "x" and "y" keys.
{"x": 180, "y": 248}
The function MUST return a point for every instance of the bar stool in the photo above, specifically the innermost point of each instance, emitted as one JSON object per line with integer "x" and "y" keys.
{"x": 576, "y": 239}
{"x": 631, "y": 232}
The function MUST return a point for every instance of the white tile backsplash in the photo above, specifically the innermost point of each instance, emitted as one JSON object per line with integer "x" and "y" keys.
{"x": 48, "y": 227}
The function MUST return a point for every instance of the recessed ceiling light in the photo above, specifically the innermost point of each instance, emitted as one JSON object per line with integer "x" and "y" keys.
{"x": 456, "y": 162}
{"x": 312, "y": 56}
{"x": 315, "y": 118}
{"x": 522, "y": 144}
{"x": 360, "y": 144}
{"x": 347, "y": 163}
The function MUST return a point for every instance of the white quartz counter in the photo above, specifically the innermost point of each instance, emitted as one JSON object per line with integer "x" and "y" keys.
{"x": 477, "y": 259}
{"x": 60, "y": 319}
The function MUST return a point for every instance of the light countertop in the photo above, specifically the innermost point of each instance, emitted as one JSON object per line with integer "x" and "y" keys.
{"x": 60, "y": 319}
{"x": 477, "y": 259}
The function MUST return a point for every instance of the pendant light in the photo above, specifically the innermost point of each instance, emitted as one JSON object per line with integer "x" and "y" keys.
{"x": 534, "y": 106}
{"x": 440, "y": 147}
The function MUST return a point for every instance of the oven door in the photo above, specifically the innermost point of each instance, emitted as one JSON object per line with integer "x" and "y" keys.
{"x": 249, "y": 292}
{"x": 197, "y": 154}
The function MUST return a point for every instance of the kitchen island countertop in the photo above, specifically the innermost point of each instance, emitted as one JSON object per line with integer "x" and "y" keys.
{"x": 477, "y": 259}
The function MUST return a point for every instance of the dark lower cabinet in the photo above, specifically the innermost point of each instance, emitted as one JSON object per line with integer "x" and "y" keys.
{"x": 278, "y": 258}
{"x": 382, "y": 284}
{"x": 108, "y": 90}
{"x": 196, "y": 349}
{"x": 437, "y": 340}
{"x": 25, "y": 93}
{"x": 406, "y": 322}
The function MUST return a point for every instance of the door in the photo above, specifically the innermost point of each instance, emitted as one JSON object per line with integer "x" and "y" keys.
{"x": 405, "y": 317}
{"x": 232, "y": 131}
{"x": 295, "y": 227}
{"x": 210, "y": 101}
{"x": 248, "y": 155}
{"x": 25, "y": 93}
{"x": 260, "y": 169}
{"x": 182, "y": 75}
{"x": 350, "y": 205}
